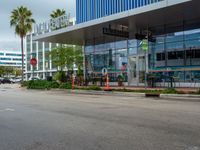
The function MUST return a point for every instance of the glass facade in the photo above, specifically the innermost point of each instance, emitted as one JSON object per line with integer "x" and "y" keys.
{"x": 174, "y": 54}
{"x": 87, "y": 10}
{"x": 177, "y": 54}
{"x": 112, "y": 56}
{"x": 40, "y": 51}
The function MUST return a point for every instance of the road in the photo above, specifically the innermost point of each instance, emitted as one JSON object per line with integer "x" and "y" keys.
{"x": 46, "y": 120}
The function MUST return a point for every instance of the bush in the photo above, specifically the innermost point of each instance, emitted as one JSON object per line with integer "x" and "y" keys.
{"x": 170, "y": 91}
{"x": 93, "y": 87}
{"x": 65, "y": 86}
{"x": 38, "y": 84}
{"x": 54, "y": 85}
{"x": 198, "y": 92}
{"x": 60, "y": 76}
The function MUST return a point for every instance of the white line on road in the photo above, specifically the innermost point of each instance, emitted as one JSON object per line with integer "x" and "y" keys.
{"x": 7, "y": 109}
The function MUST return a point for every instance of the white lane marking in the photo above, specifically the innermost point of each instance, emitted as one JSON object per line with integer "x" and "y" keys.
{"x": 193, "y": 148}
{"x": 7, "y": 109}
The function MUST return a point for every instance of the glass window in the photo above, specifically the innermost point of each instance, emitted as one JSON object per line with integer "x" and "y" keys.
{"x": 192, "y": 43}
{"x": 40, "y": 46}
{"x": 176, "y": 55}
{"x": 160, "y": 56}
{"x": 174, "y": 45}
{"x": 121, "y": 44}
{"x": 132, "y": 43}
{"x": 121, "y": 59}
{"x": 89, "y": 49}
{"x": 99, "y": 47}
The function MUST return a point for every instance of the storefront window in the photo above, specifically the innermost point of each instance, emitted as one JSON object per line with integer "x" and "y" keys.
{"x": 132, "y": 47}
{"x": 121, "y": 44}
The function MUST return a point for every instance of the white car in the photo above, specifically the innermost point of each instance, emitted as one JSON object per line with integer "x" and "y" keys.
{"x": 34, "y": 78}
{"x": 16, "y": 80}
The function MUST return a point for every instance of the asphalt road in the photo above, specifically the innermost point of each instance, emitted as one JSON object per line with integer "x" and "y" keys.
{"x": 44, "y": 120}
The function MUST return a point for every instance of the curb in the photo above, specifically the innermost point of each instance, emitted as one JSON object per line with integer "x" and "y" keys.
{"x": 182, "y": 97}
{"x": 178, "y": 97}
{"x": 188, "y": 97}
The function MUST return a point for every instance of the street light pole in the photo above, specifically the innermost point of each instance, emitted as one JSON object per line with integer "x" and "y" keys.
{"x": 147, "y": 59}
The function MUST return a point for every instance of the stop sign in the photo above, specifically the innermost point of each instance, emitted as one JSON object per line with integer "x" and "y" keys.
{"x": 33, "y": 61}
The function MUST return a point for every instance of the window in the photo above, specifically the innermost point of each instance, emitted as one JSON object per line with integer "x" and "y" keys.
{"x": 12, "y": 54}
{"x": 197, "y": 54}
{"x": 17, "y": 59}
{"x": 176, "y": 55}
{"x": 5, "y": 58}
{"x": 160, "y": 56}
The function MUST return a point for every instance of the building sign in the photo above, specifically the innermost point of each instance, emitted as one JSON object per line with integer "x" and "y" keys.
{"x": 53, "y": 24}
{"x": 116, "y": 32}
{"x": 60, "y": 22}
{"x": 104, "y": 71}
{"x": 145, "y": 45}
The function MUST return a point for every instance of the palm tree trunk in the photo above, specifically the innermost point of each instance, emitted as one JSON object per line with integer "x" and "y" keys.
{"x": 22, "y": 48}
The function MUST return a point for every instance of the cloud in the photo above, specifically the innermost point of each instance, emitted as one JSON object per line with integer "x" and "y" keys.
{"x": 41, "y": 10}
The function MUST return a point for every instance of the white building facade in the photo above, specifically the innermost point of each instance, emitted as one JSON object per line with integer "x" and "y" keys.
{"x": 10, "y": 58}
{"x": 40, "y": 50}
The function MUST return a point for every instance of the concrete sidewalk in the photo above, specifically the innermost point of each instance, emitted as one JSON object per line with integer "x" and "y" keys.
{"x": 180, "y": 97}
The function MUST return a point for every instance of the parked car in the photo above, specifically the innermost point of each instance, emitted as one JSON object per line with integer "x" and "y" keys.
{"x": 1, "y": 79}
{"x": 16, "y": 80}
{"x": 6, "y": 81}
{"x": 34, "y": 78}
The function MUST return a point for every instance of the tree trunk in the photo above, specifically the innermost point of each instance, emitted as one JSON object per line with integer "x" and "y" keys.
{"x": 22, "y": 49}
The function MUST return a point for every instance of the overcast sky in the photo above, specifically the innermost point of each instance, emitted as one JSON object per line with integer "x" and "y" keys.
{"x": 40, "y": 9}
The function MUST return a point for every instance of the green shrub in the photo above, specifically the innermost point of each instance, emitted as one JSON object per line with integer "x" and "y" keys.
{"x": 170, "y": 91}
{"x": 38, "y": 84}
{"x": 198, "y": 92}
{"x": 60, "y": 76}
{"x": 54, "y": 84}
{"x": 93, "y": 87}
{"x": 65, "y": 86}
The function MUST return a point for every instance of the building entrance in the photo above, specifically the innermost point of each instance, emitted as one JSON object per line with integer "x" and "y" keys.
{"x": 132, "y": 70}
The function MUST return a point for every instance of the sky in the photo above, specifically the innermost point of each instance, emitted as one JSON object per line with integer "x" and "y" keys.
{"x": 40, "y": 9}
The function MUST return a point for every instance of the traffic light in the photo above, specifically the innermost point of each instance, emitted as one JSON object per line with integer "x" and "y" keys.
{"x": 142, "y": 37}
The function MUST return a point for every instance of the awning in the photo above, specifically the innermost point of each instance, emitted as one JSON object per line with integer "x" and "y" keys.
{"x": 161, "y": 13}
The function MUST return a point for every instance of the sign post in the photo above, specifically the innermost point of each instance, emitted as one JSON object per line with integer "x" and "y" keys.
{"x": 33, "y": 62}
{"x": 145, "y": 48}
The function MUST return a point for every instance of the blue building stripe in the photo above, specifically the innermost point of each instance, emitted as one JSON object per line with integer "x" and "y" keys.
{"x": 87, "y": 10}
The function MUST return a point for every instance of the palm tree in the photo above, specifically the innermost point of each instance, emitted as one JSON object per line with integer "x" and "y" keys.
{"x": 57, "y": 13}
{"x": 22, "y": 21}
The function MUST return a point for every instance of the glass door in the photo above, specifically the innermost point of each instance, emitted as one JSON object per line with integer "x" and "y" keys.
{"x": 132, "y": 70}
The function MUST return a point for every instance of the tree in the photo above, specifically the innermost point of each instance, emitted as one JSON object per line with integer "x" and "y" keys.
{"x": 57, "y": 13}
{"x": 67, "y": 56}
{"x": 2, "y": 71}
{"x": 22, "y": 21}
{"x": 17, "y": 72}
{"x": 6, "y": 70}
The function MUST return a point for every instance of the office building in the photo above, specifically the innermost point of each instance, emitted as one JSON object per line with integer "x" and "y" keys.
{"x": 113, "y": 33}
{"x": 11, "y": 58}
{"x": 40, "y": 50}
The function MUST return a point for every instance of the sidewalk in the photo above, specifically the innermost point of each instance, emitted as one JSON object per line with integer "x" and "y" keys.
{"x": 184, "y": 90}
{"x": 179, "y": 97}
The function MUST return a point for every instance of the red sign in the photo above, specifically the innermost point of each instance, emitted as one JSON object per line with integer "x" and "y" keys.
{"x": 33, "y": 61}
